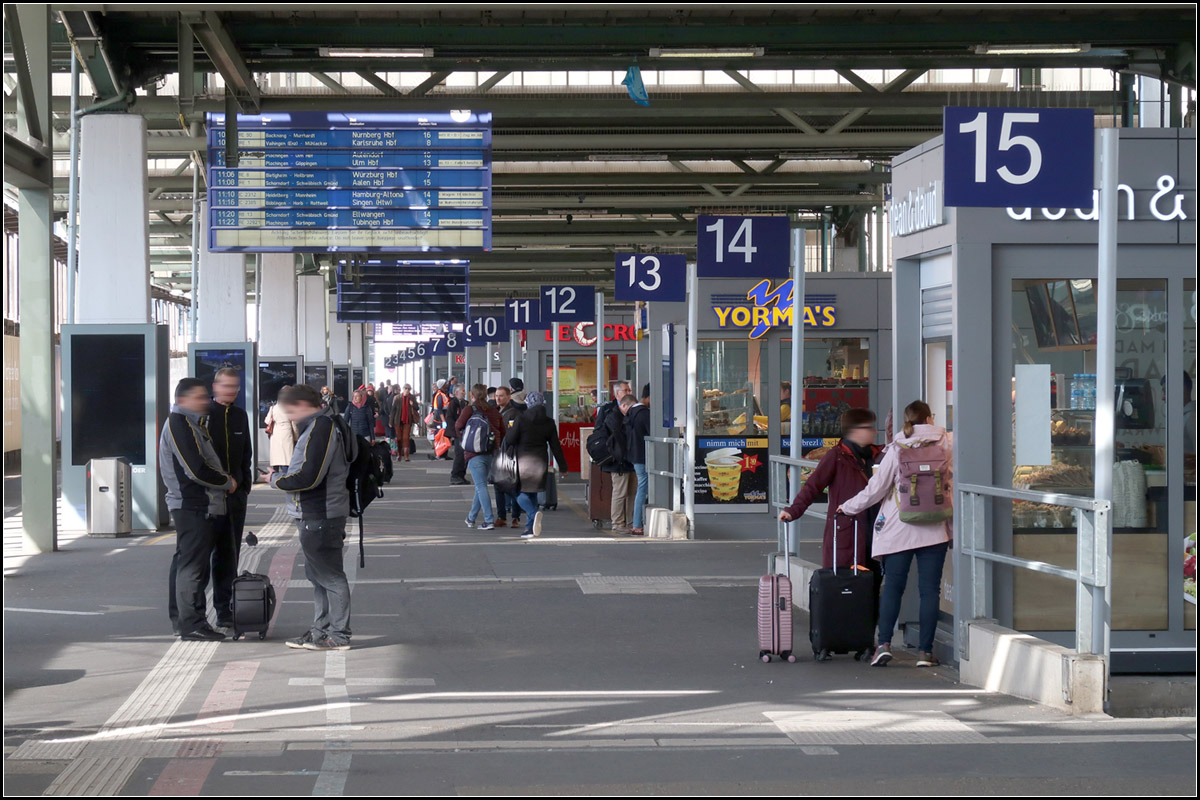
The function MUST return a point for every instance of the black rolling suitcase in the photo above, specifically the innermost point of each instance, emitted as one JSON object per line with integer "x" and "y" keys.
{"x": 599, "y": 496}
{"x": 253, "y": 604}
{"x": 841, "y": 608}
{"x": 548, "y": 497}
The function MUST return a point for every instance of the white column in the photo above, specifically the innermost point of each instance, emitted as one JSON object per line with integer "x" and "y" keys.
{"x": 277, "y": 323}
{"x": 312, "y": 318}
{"x": 339, "y": 340}
{"x": 220, "y": 293}
{"x": 358, "y": 346}
{"x": 114, "y": 233}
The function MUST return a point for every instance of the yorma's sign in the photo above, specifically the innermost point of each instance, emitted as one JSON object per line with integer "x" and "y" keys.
{"x": 766, "y": 306}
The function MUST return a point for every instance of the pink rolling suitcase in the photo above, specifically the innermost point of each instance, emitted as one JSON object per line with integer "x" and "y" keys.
{"x": 775, "y": 615}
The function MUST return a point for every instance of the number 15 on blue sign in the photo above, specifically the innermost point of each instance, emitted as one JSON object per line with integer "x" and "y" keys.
{"x": 1018, "y": 157}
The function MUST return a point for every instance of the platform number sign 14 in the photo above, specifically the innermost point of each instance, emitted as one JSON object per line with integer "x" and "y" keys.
{"x": 742, "y": 247}
{"x": 524, "y": 314}
{"x": 651, "y": 276}
{"x": 568, "y": 304}
{"x": 1019, "y": 157}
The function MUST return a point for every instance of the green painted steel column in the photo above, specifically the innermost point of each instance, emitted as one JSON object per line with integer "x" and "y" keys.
{"x": 39, "y": 398}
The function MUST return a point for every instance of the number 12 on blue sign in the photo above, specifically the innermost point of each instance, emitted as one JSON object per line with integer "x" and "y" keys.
{"x": 524, "y": 315}
{"x": 643, "y": 276}
{"x": 568, "y": 304}
{"x": 742, "y": 247}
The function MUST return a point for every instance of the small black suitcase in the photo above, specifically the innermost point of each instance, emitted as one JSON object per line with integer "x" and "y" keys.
{"x": 253, "y": 604}
{"x": 548, "y": 497}
{"x": 841, "y": 608}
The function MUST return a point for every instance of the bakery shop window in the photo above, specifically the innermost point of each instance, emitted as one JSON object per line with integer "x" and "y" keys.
{"x": 729, "y": 377}
{"x": 1054, "y": 324}
{"x": 836, "y": 379}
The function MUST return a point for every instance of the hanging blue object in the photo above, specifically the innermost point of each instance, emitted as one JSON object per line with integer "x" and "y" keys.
{"x": 637, "y": 89}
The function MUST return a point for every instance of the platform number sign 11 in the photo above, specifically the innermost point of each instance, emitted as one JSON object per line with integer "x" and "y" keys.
{"x": 524, "y": 314}
{"x": 742, "y": 247}
{"x": 568, "y": 304}
{"x": 651, "y": 276}
{"x": 1019, "y": 157}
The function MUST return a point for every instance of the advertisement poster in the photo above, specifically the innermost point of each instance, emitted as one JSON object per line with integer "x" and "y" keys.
{"x": 731, "y": 471}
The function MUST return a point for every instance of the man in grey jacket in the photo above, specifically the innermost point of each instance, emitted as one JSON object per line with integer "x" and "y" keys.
{"x": 196, "y": 490}
{"x": 319, "y": 501}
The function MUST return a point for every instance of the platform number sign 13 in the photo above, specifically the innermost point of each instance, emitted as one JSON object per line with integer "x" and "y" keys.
{"x": 568, "y": 304}
{"x": 1019, "y": 157}
{"x": 742, "y": 247}
{"x": 651, "y": 276}
{"x": 524, "y": 314}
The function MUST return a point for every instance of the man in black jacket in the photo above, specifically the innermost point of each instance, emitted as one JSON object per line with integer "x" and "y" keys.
{"x": 458, "y": 470}
{"x": 624, "y": 484}
{"x": 637, "y": 428}
{"x": 197, "y": 489}
{"x": 229, "y": 427}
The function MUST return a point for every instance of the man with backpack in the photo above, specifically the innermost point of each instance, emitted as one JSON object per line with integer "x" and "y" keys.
{"x": 319, "y": 500}
{"x": 480, "y": 430}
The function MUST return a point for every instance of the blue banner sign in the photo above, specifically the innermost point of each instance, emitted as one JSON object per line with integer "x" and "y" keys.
{"x": 568, "y": 304}
{"x": 524, "y": 315}
{"x": 486, "y": 329}
{"x": 1018, "y": 157}
{"x": 742, "y": 247}
{"x": 651, "y": 276}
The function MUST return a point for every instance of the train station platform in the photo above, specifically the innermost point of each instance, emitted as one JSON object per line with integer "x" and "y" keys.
{"x": 577, "y": 663}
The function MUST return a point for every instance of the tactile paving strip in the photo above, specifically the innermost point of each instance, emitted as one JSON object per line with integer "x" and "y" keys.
{"x": 873, "y": 728}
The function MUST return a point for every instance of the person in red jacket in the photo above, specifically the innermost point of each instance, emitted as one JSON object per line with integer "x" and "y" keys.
{"x": 844, "y": 472}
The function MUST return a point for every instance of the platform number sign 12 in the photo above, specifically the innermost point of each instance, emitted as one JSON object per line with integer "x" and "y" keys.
{"x": 524, "y": 314}
{"x": 651, "y": 276}
{"x": 568, "y": 304}
{"x": 742, "y": 247}
{"x": 1019, "y": 157}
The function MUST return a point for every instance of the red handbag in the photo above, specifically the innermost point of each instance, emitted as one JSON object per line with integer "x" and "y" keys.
{"x": 379, "y": 430}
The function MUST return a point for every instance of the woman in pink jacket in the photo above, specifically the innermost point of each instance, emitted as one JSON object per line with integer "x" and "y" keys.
{"x": 916, "y": 485}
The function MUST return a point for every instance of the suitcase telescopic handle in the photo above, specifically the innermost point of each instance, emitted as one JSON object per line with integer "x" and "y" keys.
{"x": 854, "y": 552}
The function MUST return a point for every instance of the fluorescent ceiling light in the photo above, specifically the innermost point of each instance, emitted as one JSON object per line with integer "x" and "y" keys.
{"x": 375, "y": 52}
{"x": 1030, "y": 49}
{"x": 627, "y": 157}
{"x": 705, "y": 52}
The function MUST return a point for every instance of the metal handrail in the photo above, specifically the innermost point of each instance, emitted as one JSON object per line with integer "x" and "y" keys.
{"x": 1092, "y": 570}
{"x": 676, "y": 474}
{"x": 778, "y": 497}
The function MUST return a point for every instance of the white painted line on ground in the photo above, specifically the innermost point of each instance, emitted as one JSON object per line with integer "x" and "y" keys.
{"x": 56, "y": 611}
{"x": 567, "y": 694}
{"x": 818, "y": 751}
{"x": 335, "y": 765}
{"x": 364, "y": 682}
{"x": 267, "y": 773}
{"x": 908, "y": 691}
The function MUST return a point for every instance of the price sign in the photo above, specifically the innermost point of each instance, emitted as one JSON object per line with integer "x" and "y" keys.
{"x": 524, "y": 315}
{"x": 645, "y": 276}
{"x": 568, "y": 304}
{"x": 742, "y": 247}
{"x": 484, "y": 330}
{"x": 1019, "y": 157}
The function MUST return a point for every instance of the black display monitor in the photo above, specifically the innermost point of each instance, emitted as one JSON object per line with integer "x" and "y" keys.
{"x": 316, "y": 376}
{"x": 108, "y": 397}
{"x": 208, "y": 361}
{"x": 341, "y": 383}
{"x": 356, "y": 378}
{"x": 273, "y": 376}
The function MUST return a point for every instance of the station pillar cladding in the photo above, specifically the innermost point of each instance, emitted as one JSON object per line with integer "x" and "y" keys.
{"x": 114, "y": 360}
{"x": 979, "y": 292}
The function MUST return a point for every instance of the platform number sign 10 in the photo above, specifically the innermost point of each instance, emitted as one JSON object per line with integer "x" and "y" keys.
{"x": 482, "y": 330}
{"x": 568, "y": 304}
{"x": 524, "y": 314}
{"x": 646, "y": 276}
{"x": 1009, "y": 157}
{"x": 742, "y": 247}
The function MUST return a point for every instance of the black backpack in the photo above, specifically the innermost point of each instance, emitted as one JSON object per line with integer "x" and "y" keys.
{"x": 597, "y": 446}
{"x": 364, "y": 478}
{"x": 382, "y": 454}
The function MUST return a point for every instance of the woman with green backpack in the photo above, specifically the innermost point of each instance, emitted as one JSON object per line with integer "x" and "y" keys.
{"x": 915, "y": 483}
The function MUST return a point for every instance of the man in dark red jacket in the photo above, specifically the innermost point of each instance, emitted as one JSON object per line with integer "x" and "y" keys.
{"x": 844, "y": 472}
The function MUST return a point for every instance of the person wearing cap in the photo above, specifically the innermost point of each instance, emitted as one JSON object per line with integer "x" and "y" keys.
{"x": 532, "y": 433}
{"x": 518, "y": 393}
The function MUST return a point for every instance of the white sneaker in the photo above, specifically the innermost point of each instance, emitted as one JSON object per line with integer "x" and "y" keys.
{"x": 468, "y": 523}
{"x": 487, "y": 526}
{"x": 537, "y": 524}
{"x": 528, "y": 535}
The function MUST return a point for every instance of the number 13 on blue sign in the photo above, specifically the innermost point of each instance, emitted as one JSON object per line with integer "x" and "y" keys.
{"x": 742, "y": 247}
{"x": 644, "y": 276}
{"x": 568, "y": 304}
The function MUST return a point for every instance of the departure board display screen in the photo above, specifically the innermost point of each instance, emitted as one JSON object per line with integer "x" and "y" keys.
{"x": 108, "y": 397}
{"x": 273, "y": 376}
{"x": 327, "y": 182}
{"x": 207, "y": 362}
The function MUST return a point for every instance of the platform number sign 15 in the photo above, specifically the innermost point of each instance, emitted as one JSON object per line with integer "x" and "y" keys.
{"x": 568, "y": 304}
{"x": 524, "y": 314}
{"x": 651, "y": 276}
{"x": 742, "y": 247}
{"x": 1019, "y": 157}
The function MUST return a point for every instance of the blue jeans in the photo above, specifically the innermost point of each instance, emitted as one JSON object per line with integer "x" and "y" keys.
{"x": 930, "y": 561}
{"x": 639, "y": 499}
{"x": 506, "y": 502}
{"x": 479, "y": 466}
{"x": 529, "y": 502}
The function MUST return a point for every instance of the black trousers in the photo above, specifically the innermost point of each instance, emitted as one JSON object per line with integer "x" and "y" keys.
{"x": 227, "y": 549}
{"x": 195, "y": 533}
{"x": 458, "y": 470}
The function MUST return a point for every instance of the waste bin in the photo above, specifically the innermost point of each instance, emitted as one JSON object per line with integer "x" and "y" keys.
{"x": 109, "y": 498}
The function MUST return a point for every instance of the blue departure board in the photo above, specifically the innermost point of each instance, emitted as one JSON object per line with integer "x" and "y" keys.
{"x": 327, "y": 182}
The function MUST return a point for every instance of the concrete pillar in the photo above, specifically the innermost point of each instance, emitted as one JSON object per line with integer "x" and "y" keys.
{"x": 358, "y": 345}
{"x": 39, "y": 395}
{"x": 339, "y": 340}
{"x": 277, "y": 309}
{"x": 312, "y": 318}
{"x": 220, "y": 293}
{"x": 114, "y": 232}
